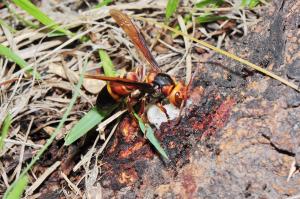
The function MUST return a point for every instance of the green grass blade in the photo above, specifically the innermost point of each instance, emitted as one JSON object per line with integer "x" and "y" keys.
{"x": 9, "y": 54}
{"x": 85, "y": 124}
{"x": 209, "y": 18}
{"x": 148, "y": 131}
{"x": 206, "y": 3}
{"x": 250, "y": 3}
{"x": 171, "y": 8}
{"x": 50, "y": 140}
{"x": 40, "y": 16}
{"x": 103, "y": 3}
{"x": 108, "y": 66}
{"x": 17, "y": 191}
{"x": 5, "y": 129}
{"x": 94, "y": 116}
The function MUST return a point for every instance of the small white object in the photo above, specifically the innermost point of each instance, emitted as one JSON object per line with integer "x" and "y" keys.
{"x": 157, "y": 117}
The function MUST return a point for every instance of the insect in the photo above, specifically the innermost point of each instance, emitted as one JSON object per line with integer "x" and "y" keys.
{"x": 155, "y": 86}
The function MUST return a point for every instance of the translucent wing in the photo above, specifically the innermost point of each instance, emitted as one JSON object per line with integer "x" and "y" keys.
{"x": 136, "y": 37}
{"x": 145, "y": 87}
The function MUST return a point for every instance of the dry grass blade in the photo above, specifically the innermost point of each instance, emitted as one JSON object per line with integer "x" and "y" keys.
{"x": 42, "y": 178}
{"x": 71, "y": 184}
{"x": 107, "y": 139}
{"x": 186, "y": 54}
{"x": 50, "y": 140}
{"x": 87, "y": 157}
{"x": 103, "y": 124}
{"x": 5, "y": 25}
{"x": 35, "y": 146}
{"x": 22, "y": 151}
{"x": 8, "y": 81}
{"x": 223, "y": 52}
{"x": 21, "y": 18}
